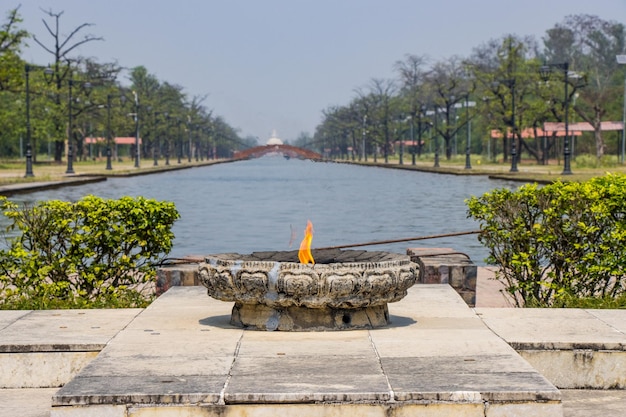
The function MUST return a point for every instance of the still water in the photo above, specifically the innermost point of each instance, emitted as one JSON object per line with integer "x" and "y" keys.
{"x": 264, "y": 204}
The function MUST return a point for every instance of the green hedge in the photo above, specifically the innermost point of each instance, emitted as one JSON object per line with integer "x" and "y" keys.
{"x": 557, "y": 243}
{"x": 92, "y": 253}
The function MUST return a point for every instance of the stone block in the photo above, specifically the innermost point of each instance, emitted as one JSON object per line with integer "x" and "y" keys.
{"x": 176, "y": 275}
{"x": 447, "y": 266}
{"x": 543, "y": 409}
{"x": 91, "y": 411}
{"x": 580, "y": 368}
{"x": 41, "y": 369}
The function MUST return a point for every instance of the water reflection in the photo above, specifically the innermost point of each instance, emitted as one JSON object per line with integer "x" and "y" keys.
{"x": 264, "y": 204}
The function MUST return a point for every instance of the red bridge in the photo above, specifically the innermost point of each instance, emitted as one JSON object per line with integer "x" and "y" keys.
{"x": 287, "y": 151}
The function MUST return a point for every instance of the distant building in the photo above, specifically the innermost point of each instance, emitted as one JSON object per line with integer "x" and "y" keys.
{"x": 274, "y": 140}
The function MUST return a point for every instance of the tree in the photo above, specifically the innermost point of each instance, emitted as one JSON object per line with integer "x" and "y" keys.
{"x": 412, "y": 76}
{"x": 449, "y": 85}
{"x": 11, "y": 40}
{"x": 506, "y": 72}
{"x": 63, "y": 46}
{"x": 377, "y": 101}
{"x": 589, "y": 45}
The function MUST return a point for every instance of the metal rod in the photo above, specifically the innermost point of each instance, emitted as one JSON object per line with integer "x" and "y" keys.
{"x": 408, "y": 239}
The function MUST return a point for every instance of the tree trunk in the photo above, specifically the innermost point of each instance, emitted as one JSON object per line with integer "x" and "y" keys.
{"x": 597, "y": 134}
{"x": 58, "y": 150}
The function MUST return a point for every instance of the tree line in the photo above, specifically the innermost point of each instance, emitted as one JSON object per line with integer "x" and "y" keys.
{"x": 510, "y": 85}
{"x": 78, "y": 97}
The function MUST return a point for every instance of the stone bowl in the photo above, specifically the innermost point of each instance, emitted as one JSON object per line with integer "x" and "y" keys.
{"x": 344, "y": 289}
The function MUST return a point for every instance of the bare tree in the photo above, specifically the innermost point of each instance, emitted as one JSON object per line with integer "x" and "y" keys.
{"x": 63, "y": 63}
{"x": 381, "y": 91}
{"x": 412, "y": 74}
{"x": 449, "y": 85}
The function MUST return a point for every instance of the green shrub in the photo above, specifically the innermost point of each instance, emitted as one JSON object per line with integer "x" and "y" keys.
{"x": 563, "y": 240}
{"x": 591, "y": 161}
{"x": 91, "y": 253}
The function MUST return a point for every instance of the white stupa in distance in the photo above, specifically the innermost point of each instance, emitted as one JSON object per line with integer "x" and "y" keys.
{"x": 274, "y": 140}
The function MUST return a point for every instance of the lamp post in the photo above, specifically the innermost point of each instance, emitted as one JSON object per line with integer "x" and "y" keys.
{"x": 363, "y": 153}
{"x": 545, "y": 71}
{"x": 419, "y": 130}
{"x": 621, "y": 59}
{"x": 510, "y": 83}
{"x": 136, "y": 116}
{"x": 167, "y": 138}
{"x": 436, "y": 165}
{"x": 436, "y": 139}
{"x": 179, "y": 141}
{"x": 70, "y": 128}
{"x": 29, "y": 152}
{"x": 412, "y": 133}
{"x": 155, "y": 149}
{"x": 108, "y": 150}
{"x": 401, "y": 158}
{"x": 109, "y": 135}
{"x": 189, "y": 126}
{"x": 468, "y": 104}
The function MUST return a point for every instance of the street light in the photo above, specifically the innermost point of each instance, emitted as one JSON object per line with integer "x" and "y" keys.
{"x": 29, "y": 153}
{"x": 510, "y": 83}
{"x": 621, "y": 59}
{"x": 179, "y": 141}
{"x": 189, "y": 126}
{"x": 155, "y": 145}
{"x": 136, "y": 116}
{"x": 434, "y": 113}
{"x": 363, "y": 139}
{"x": 109, "y": 137}
{"x": 401, "y": 159}
{"x": 468, "y": 104}
{"x": 545, "y": 72}
{"x": 422, "y": 111}
{"x": 167, "y": 138}
{"x": 70, "y": 128}
{"x": 412, "y": 117}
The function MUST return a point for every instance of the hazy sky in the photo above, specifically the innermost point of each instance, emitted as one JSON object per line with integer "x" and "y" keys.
{"x": 276, "y": 64}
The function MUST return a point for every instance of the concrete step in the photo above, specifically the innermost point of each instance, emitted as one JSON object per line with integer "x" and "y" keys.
{"x": 47, "y": 348}
{"x": 573, "y": 348}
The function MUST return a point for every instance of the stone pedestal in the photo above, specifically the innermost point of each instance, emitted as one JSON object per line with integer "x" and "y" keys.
{"x": 343, "y": 290}
{"x": 293, "y": 318}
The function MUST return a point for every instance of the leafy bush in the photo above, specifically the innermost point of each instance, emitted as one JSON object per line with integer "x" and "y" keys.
{"x": 591, "y": 161}
{"x": 558, "y": 242}
{"x": 91, "y": 253}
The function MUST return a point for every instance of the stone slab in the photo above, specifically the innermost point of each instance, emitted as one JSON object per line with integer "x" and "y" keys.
{"x": 27, "y": 402}
{"x": 305, "y": 379}
{"x": 435, "y": 358}
{"x": 614, "y": 318}
{"x": 41, "y": 369}
{"x": 8, "y": 317}
{"x": 447, "y": 266}
{"x": 551, "y": 329}
{"x": 162, "y": 389}
{"x": 594, "y": 403}
{"x": 573, "y": 348}
{"x": 580, "y": 368}
{"x": 64, "y": 330}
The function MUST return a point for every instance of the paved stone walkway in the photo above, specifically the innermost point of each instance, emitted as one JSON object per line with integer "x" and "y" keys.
{"x": 519, "y": 327}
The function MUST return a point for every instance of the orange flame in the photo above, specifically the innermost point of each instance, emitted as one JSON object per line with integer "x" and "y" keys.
{"x": 304, "y": 254}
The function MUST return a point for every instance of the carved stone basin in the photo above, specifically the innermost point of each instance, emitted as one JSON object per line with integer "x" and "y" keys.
{"x": 343, "y": 290}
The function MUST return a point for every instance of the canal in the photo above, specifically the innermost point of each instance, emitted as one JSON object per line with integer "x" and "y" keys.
{"x": 264, "y": 204}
